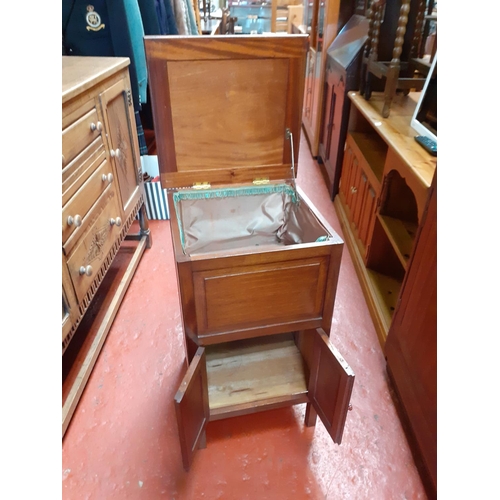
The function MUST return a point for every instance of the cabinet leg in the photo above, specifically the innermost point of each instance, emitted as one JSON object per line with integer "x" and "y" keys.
{"x": 311, "y": 415}
{"x": 144, "y": 225}
{"x": 203, "y": 440}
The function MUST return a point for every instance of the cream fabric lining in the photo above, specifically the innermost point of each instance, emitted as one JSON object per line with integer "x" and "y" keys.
{"x": 221, "y": 223}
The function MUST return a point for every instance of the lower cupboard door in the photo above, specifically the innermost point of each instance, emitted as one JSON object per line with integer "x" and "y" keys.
{"x": 191, "y": 407}
{"x": 330, "y": 385}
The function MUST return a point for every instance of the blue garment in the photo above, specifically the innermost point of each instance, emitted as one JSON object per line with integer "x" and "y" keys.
{"x": 149, "y": 17}
{"x": 136, "y": 33}
{"x": 166, "y": 17}
{"x": 108, "y": 28}
{"x": 162, "y": 16}
{"x": 171, "y": 24}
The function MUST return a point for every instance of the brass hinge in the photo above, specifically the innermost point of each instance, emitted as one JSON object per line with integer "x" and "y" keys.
{"x": 258, "y": 181}
{"x": 129, "y": 97}
{"x": 201, "y": 185}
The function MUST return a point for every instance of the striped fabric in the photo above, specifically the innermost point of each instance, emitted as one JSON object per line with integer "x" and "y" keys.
{"x": 156, "y": 201}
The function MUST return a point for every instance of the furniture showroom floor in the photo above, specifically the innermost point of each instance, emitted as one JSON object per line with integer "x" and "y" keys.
{"x": 122, "y": 441}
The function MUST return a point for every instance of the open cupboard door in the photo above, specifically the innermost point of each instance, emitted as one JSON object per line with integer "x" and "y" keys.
{"x": 330, "y": 385}
{"x": 191, "y": 407}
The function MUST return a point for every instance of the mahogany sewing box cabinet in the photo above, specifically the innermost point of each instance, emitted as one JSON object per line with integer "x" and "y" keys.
{"x": 257, "y": 266}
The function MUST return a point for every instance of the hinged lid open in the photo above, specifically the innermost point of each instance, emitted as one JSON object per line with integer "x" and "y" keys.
{"x": 222, "y": 106}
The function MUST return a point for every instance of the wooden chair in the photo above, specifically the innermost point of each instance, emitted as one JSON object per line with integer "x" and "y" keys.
{"x": 398, "y": 74}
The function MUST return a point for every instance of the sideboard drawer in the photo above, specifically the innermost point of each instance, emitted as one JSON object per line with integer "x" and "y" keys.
{"x": 79, "y": 135}
{"x": 75, "y": 211}
{"x": 92, "y": 250}
{"x": 80, "y": 169}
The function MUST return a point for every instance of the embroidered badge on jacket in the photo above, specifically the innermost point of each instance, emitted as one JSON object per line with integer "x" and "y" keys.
{"x": 93, "y": 19}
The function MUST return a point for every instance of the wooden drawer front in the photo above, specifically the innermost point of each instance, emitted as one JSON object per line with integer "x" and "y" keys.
{"x": 85, "y": 197}
{"x": 79, "y": 170}
{"x": 95, "y": 244}
{"x": 257, "y": 296}
{"x": 79, "y": 135}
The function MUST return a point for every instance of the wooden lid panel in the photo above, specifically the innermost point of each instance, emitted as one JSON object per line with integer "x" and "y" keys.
{"x": 222, "y": 106}
{"x": 226, "y": 124}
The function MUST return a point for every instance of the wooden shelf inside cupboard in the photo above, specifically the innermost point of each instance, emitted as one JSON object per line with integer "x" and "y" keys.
{"x": 254, "y": 373}
{"x": 401, "y": 234}
{"x": 381, "y": 154}
{"x": 387, "y": 292}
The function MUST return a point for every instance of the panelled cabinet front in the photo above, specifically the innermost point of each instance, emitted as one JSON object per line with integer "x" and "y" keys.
{"x": 358, "y": 194}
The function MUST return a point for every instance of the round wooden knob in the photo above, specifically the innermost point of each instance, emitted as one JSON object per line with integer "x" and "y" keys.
{"x": 76, "y": 220}
{"x": 94, "y": 127}
{"x": 86, "y": 270}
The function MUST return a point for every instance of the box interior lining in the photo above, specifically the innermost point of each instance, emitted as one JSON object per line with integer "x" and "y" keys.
{"x": 233, "y": 218}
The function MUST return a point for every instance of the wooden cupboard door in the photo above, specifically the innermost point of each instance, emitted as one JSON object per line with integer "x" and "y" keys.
{"x": 123, "y": 143}
{"x": 352, "y": 189}
{"x": 359, "y": 199}
{"x": 191, "y": 407}
{"x": 330, "y": 385}
{"x": 346, "y": 173}
{"x": 367, "y": 215}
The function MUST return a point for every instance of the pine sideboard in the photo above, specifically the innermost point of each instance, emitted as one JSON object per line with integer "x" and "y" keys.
{"x": 102, "y": 195}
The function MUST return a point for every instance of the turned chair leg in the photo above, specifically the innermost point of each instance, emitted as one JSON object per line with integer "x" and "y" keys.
{"x": 372, "y": 58}
{"x": 394, "y": 67}
{"x": 366, "y": 51}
